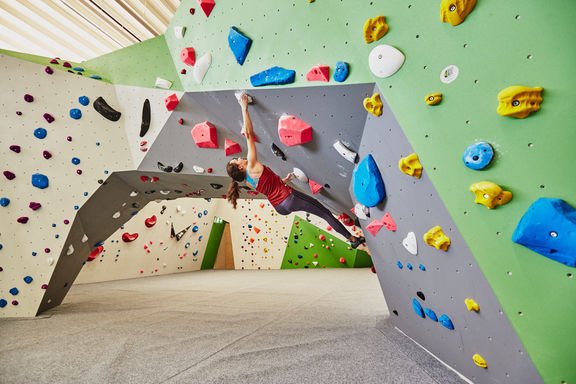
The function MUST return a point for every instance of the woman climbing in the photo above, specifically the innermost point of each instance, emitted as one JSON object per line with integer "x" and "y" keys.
{"x": 282, "y": 197}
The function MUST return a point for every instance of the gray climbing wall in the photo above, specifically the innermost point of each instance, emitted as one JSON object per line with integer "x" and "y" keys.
{"x": 449, "y": 277}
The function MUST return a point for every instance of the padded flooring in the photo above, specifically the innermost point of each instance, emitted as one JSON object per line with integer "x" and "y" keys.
{"x": 293, "y": 326}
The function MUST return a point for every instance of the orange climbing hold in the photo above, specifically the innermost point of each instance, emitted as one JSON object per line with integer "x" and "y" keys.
{"x": 231, "y": 147}
{"x": 207, "y": 6}
{"x": 171, "y": 102}
{"x": 256, "y": 229}
{"x": 314, "y": 186}
{"x": 251, "y": 240}
{"x": 204, "y": 135}
{"x": 293, "y": 131}
{"x": 319, "y": 73}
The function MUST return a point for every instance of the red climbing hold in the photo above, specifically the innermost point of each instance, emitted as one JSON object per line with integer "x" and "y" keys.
{"x": 319, "y": 73}
{"x": 231, "y": 147}
{"x": 150, "y": 222}
{"x": 373, "y": 269}
{"x": 374, "y": 227}
{"x": 154, "y": 179}
{"x": 389, "y": 222}
{"x": 188, "y": 56}
{"x": 207, "y": 6}
{"x": 204, "y": 135}
{"x": 314, "y": 186}
{"x": 144, "y": 178}
{"x": 322, "y": 237}
{"x": 95, "y": 252}
{"x": 342, "y": 260}
{"x": 127, "y": 237}
{"x": 171, "y": 102}
{"x": 293, "y": 131}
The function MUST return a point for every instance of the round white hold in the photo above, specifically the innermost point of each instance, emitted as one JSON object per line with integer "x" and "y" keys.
{"x": 385, "y": 60}
{"x": 300, "y": 175}
{"x": 449, "y": 74}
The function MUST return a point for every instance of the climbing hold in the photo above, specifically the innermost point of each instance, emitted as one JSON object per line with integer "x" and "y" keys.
{"x": 417, "y": 307}
{"x": 95, "y": 252}
{"x": 367, "y": 182}
{"x": 293, "y": 131}
{"x": 449, "y": 74}
{"x": 472, "y": 305}
{"x": 179, "y": 32}
{"x": 102, "y": 107}
{"x": 374, "y": 29}
{"x": 40, "y": 133}
{"x": 399, "y": 264}
{"x": 342, "y": 260}
{"x": 478, "y": 155}
{"x": 70, "y": 250}
{"x": 361, "y": 211}
{"x": 28, "y": 98}
{"x": 422, "y": 267}
{"x": 410, "y": 243}
{"x": 15, "y": 148}
{"x": 479, "y": 361}
{"x": 127, "y": 237}
{"x": 84, "y": 100}
{"x": 455, "y": 11}
{"x": 164, "y": 168}
{"x": 3, "y": 303}
{"x": 273, "y": 76}
{"x": 207, "y": 6}
{"x": 48, "y": 70}
{"x": 436, "y": 238}
{"x": 34, "y": 206}
{"x": 341, "y": 71}
{"x": 410, "y": 165}
{"x": 201, "y": 67}
{"x": 278, "y": 152}
{"x": 519, "y": 101}
{"x": 409, "y": 266}
{"x": 300, "y": 175}
{"x": 188, "y": 56}
{"x": 22, "y": 219}
{"x": 75, "y": 113}
{"x": 431, "y": 314}
{"x": 75, "y": 161}
{"x": 239, "y": 44}
{"x": 204, "y": 135}
{"x": 314, "y": 186}
{"x": 150, "y": 221}
{"x": 345, "y": 152}
{"x": 433, "y": 99}
{"x": 548, "y": 227}
{"x": 28, "y": 279}
{"x": 216, "y": 186}
{"x": 231, "y": 147}
{"x": 47, "y": 155}
{"x": 322, "y": 237}
{"x": 9, "y": 175}
{"x": 374, "y": 227}
{"x": 198, "y": 169}
{"x": 49, "y": 118}
{"x": 171, "y": 102}
{"x": 40, "y": 181}
{"x": 490, "y": 194}
{"x": 446, "y": 322}
{"x": 4, "y": 201}
{"x": 385, "y": 60}
{"x": 389, "y": 222}
{"x": 373, "y": 104}
{"x": 178, "y": 168}
{"x": 319, "y": 73}
{"x": 162, "y": 83}
{"x": 345, "y": 219}
{"x": 14, "y": 291}
{"x": 145, "y": 125}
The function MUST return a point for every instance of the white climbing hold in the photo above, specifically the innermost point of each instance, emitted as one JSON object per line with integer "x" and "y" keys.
{"x": 116, "y": 215}
{"x": 198, "y": 169}
{"x": 410, "y": 243}
{"x": 345, "y": 152}
{"x": 70, "y": 250}
{"x": 449, "y": 74}
{"x": 164, "y": 192}
{"x": 300, "y": 175}
{"x": 385, "y": 60}
{"x": 162, "y": 83}
{"x": 178, "y": 208}
{"x": 179, "y": 32}
{"x": 84, "y": 238}
{"x": 237, "y": 94}
{"x": 201, "y": 67}
{"x": 133, "y": 194}
{"x": 361, "y": 211}
{"x": 50, "y": 261}
{"x": 315, "y": 263}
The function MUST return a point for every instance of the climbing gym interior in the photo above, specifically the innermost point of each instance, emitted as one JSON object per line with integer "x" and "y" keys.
{"x": 442, "y": 131}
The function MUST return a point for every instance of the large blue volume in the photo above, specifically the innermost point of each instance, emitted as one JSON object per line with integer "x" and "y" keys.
{"x": 549, "y": 228}
{"x": 367, "y": 183}
{"x": 273, "y": 76}
{"x": 239, "y": 44}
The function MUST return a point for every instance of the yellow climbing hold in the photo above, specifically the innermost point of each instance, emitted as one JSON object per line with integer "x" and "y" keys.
{"x": 472, "y": 305}
{"x": 374, "y": 29}
{"x": 479, "y": 361}
{"x": 373, "y": 104}
{"x": 433, "y": 99}
{"x": 410, "y": 165}
{"x": 519, "y": 101}
{"x": 490, "y": 194}
{"x": 455, "y": 11}
{"x": 436, "y": 238}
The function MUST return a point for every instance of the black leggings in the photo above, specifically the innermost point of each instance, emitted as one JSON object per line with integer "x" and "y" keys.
{"x": 299, "y": 201}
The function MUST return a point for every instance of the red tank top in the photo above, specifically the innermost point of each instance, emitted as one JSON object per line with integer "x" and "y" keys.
{"x": 271, "y": 185}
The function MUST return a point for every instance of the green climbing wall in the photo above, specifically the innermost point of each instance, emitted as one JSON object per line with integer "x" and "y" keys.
{"x": 311, "y": 247}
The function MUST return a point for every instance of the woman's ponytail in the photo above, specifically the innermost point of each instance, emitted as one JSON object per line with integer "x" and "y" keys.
{"x": 233, "y": 193}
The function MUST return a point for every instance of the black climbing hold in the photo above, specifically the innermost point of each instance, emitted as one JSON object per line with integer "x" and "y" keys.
{"x": 327, "y": 186}
{"x": 163, "y": 209}
{"x": 395, "y": 312}
{"x": 216, "y": 186}
{"x": 135, "y": 205}
{"x": 276, "y": 151}
{"x": 150, "y": 192}
{"x": 100, "y": 181}
{"x": 172, "y": 232}
{"x": 177, "y": 191}
{"x": 179, "y": 167}
{"x": 145, "y": 118}
{"x": 180, "y": 234}
{"x": 164, "y": 168}
{"x": 105, "y": 110}
{"x": 420, "y": 294}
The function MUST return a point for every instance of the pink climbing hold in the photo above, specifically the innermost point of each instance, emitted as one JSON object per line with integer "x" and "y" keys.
{"x": 389, "y": 222}
{"x": 319, "y": 73}
{"x": 34, "y": 206}
{"x": 374, "y": 227}
{"x": 128, "y": 237}
{"x": 22, "y": 220}
{"x": 207, "y": 6}
{"x": 188, "y": 56}
{"x": 171, "y": 102}
{"x": 15, "y": 148}
{"x": 231, "y": 147}
{"x": 293, "y": 131}
{"x": 314, "y": 186}
{"x": 9, "y": 175}
{"x": 204, "y": 135}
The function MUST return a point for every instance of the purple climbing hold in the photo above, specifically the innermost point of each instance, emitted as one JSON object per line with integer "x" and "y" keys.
{"x": 9, "y": 175}
{"x": 54, "y": 61}
{"x": 46, "y": 250}
{"x": 44, "y": 286}
{"x": 69, "y": 138}
{"x": 28, "y": 98}
{"x": 49, "y": 70}
{"x": 14, "y": 302}
{"x": 49, "y": 118}
{"x": 34, "y": 206}
{"x": 79, "y": 171}
{"x": 19, "y": 113}
{"x": 67, "y": 65}
{"x": 47, "y": 155}
{"x": 66, "y": 221}
{"x": 22, "y": 220}
{"x": 15, "y": 148}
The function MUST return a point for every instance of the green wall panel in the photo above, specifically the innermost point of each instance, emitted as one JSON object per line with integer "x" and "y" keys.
{"x": 213, "y": 244}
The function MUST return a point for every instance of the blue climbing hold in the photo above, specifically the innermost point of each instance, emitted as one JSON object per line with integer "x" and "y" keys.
{"x": 40, "y": 181}
{"x": 422, "y": 267}
{"x": 96, "y": 77}
{"x": 14, "y": 291}
{"x": 3, "y": 303}
{"x": 199, "y": 215}
{"x": 367, "y": 183}
{"x": 273, "y": 76}
{"x": 4, "y": 201}
{"x": 78, "y": 69}
{"x": 205, "y": 212}
{"x": 195, "y": 228}
{"x": 431, "y": 314}
{"x": 28, "y": 279}
{"x": 341, "y": 71}
{"x": 417, "y": 307}
{"x": 399, "y": 265}
{"x": 34, "y": 253}
{"x": 478, "y": 156}
{"x": 75, "y": 161}
{"x": 409, "y": 266}
{"x": 239, "y": 44}
{"x": 1, "y": 246}
{"x": 75, "y": 113}
{"x": 40, "y": 133}
{"x": 300, "y": 256}
{"x": 446, "y": 322}
{"x": 549, "y": 228}
{"x": 84, "y": 100}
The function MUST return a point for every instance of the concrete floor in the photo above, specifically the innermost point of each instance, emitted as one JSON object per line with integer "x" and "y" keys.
{"x": 296, "y": 326}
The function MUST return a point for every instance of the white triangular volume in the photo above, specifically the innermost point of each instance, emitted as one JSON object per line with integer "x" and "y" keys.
{"x": 410, "y": 243}
{"x": 70, "y": 250}
{"x": 179, "y": 32}
{"x": 315, "y": 263}
{"x": 162, "y": 83}
{"x": 84, "y": 238}
{"x": 361, "y": 211}
{"x": 345, "y": 152}
{"x": 201, "y": 67}
{"x": 300, "y": 175}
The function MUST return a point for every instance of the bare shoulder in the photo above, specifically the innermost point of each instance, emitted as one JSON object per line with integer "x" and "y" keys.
{"x": 255, "y": 169}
